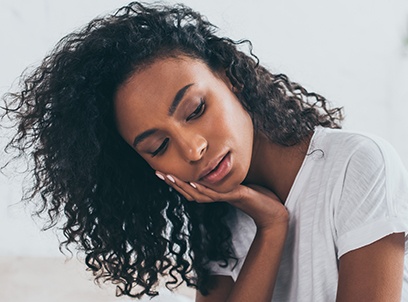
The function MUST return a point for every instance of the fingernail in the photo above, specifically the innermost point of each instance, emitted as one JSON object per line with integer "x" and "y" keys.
{"x": 169, "y": 177}
{"x": 193, "y": 185}
{"x": 159, "y": 175}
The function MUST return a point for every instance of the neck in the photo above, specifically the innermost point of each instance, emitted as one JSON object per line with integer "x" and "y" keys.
{"x": 274, "y": 166}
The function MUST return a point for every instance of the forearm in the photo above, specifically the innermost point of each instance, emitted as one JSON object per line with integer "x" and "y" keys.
{"x": 373, "y": 272}
{"x": 258, "y": 275}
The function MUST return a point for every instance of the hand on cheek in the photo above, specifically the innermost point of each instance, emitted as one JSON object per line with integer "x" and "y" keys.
{"x": 171, "y": 181}
{"x": 191, "y": 191}
{"x": 258, "y": 202}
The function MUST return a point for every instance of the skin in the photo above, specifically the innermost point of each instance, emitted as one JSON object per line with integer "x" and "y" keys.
{"x": 193, "y": 142}
{"x": 208, "y": 124}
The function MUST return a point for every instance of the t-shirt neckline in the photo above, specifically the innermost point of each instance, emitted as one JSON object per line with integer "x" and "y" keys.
{"x": 296, "y": 186}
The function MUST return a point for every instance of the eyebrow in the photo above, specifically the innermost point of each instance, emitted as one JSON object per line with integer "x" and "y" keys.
{"x": 142, "y": 136}
{"x": 176, "y": 101}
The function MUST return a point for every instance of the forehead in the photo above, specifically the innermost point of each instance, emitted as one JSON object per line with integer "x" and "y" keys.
{"x": 150, "y": 91}
{"x": 160, "y": 78}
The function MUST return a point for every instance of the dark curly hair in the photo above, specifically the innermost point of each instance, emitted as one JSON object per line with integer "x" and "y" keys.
{"x": 131, "y": 226}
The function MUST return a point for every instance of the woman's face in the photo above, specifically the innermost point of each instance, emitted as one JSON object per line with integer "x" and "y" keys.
{"x": 185, "y": 120}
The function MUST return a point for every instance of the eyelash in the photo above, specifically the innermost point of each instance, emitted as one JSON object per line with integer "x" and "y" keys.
{"x": 198, "y": 111}
{"x": 161, "y": 148}
{"x": 195, "y": 114}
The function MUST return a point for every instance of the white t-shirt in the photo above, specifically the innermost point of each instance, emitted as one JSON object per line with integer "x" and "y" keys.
{"x": 351, "y": 190}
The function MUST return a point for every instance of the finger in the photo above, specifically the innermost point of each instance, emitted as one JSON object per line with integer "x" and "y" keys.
{"x": 190, "y": 189}
{"x": 182, "y": 192}
{"x": 210, "y": 195}
{"x": 218, "y": 196}
{"x": 202, "y": 193}
{"x": 172, "y": 183}
{"x": 195, "y": 191}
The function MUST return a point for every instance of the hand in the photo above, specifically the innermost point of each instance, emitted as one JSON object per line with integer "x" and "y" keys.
{"x": 261, "y": 204}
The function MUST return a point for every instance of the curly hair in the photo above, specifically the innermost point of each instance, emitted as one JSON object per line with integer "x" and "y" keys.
{"x": 131, "y": 226}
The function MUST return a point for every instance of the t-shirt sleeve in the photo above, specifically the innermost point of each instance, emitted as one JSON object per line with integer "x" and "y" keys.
{"x": 243, "y": 231}
{"x": 374, "y": 198}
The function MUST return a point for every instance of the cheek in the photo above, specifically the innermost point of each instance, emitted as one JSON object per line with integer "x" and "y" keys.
{"x": 171, "y": 163}
{"x": 239, "y": 124}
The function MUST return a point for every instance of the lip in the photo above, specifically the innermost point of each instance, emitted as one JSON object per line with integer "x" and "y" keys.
{"x": 217, "y": 169}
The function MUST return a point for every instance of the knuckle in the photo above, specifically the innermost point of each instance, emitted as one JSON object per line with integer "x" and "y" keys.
{"x": 214, "y": 199}
{"x": 203, "y": 200}
{"x": 209, "y": 199}
{"x": 244, "y": 192}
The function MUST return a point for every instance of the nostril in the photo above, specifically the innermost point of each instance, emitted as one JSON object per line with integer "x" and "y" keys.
{"x": 194, "y": 147}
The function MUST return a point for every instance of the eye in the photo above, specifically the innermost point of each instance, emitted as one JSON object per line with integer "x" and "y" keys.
{"x": 198, "y": 111}
{"x": 161, "y": 149}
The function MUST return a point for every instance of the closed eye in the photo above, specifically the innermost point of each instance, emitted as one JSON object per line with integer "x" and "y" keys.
{"x": 162, "y": 147}
{"x": 195, "y": 114}
{"x": 198, "y": 111}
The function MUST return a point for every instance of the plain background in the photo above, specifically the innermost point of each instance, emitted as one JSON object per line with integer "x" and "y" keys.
{"x": 355, "y": 53}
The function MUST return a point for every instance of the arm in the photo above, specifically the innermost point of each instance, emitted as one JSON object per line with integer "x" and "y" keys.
{"x": 373, "y": 198}
{"x": 374, "y": 272}
{"x": 258, "y": 275}
{"x": 223, "y": 287}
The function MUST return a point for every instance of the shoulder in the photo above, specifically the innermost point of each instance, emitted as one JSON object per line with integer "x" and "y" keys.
{"x": 361, "y": 166}
{"x": 372, "y": 187}
{"x": 361, "y": 150}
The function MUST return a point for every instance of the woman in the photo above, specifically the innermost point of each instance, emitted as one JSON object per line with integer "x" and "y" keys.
{"x": 169, "y": 151}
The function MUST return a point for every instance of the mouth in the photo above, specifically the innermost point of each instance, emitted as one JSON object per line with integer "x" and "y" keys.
{"x": 218, "y": 171}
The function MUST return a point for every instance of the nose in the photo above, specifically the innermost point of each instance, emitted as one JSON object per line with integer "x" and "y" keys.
{"x": 193, "y": 146}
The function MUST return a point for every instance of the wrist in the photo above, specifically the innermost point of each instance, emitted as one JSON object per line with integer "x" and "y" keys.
{"x": 280, "y": 226}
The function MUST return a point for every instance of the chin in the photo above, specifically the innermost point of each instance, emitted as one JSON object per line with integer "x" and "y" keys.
{"x": 228, "y": 184}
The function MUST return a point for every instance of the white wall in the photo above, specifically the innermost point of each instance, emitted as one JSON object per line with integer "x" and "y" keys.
{"x": 352, "y": 52}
